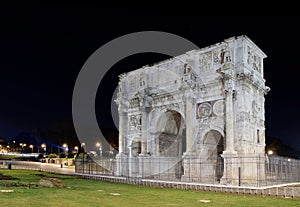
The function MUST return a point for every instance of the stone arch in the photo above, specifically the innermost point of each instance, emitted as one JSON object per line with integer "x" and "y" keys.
{"x": 170, "y": 143}
{"x": 169, "y": 128}
{"x": 214, "y": 143}
{"x": 156, "y": 114}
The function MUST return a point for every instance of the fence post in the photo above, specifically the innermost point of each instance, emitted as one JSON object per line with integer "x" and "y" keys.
{"x": 239, "y": 173}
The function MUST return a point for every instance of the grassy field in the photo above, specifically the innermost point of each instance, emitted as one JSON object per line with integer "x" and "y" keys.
{"x": 80, "y": 192}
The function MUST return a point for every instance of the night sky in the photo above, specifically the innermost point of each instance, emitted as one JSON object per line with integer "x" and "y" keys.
{"x": 44, "y": 45}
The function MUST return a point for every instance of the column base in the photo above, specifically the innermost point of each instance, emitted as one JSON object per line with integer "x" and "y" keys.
{"x": 189, "y": 167}
{"x": 144, "y": 165}
{"x": 144, "y": 155}
{"x": 230, "y": 174}
{"x": 122, "y": 164}
{"x": 229, "y": 152}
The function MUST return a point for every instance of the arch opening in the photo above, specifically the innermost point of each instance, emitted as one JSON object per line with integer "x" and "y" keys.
{"x": 214, "y": 142}
{"x": 171, "y": 141}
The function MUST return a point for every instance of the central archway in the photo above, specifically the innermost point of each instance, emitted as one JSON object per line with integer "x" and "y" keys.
{"x": 170, "y": 127}
{"x": 171, "y": 142}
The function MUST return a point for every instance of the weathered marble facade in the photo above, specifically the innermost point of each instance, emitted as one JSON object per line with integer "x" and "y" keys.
{"x": 205, "y": 106}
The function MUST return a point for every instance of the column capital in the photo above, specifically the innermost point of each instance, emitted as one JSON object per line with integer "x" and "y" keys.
{"x": 123, "y": 112}
{"x": 189, "y": 95}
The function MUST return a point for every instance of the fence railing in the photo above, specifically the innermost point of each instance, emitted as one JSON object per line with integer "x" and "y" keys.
{"x": 250, "y": 170}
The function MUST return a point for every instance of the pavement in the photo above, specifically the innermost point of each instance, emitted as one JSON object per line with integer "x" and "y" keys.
{"x": 46, "y": 167}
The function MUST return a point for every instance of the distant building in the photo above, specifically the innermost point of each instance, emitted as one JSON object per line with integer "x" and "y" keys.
{"x": 2, "y": 140}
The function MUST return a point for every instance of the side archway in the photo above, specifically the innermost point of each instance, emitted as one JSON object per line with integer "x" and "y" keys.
{"x": 214, "y": 143}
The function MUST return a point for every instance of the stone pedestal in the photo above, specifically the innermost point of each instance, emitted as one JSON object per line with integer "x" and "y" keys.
{"x": 231, "y": 170}
{"x": 190, "y": 172}
{"x": 122, "y": 164}
{"x": 144, "y": 165}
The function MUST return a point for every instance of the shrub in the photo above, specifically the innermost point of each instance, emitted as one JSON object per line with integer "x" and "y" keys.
{"x": 62, "y": 155}
{"x": 53, "y": 156}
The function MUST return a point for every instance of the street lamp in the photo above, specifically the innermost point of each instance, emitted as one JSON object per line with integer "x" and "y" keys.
{"x": 270, "y": 152}
{"x": 66, "y": 147}
{"x": 22, "y": 145}
{"x": 82, "y": 146}
{"x": 31, "y": 146}
{"x": 76, "y": 148}
{"x": 99, "y": 144}
{"x": 44, "y": 148}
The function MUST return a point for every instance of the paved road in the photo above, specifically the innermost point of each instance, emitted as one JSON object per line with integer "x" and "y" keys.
{"x": 54, "y": 168}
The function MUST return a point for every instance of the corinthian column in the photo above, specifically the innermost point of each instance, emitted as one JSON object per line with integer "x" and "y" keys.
{"x": 122, "y": 130}
{"x": 121, "y": 157}
{"x": 229, "y": 121}
{"x": 189, "y": 128}
{"x": 144, "y": 132}
{"x": 146, "y": 108}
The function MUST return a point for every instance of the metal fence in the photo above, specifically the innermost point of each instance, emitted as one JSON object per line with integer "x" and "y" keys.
{"x": 95, "y": 166}
{"x": 281, "y": 170}
{"x": 250, "y": 170}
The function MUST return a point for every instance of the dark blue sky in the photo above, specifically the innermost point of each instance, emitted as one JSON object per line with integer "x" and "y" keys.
{"x": 44, "y": 45}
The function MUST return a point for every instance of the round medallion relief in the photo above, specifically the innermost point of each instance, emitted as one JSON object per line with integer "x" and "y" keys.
{"x": 219, "y": 108}
{"x": 204, "y": 110}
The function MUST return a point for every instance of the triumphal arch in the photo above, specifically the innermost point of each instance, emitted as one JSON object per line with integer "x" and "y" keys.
{"x": 197, "y": 117}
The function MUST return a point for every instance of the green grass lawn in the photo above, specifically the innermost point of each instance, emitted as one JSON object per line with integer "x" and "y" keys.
{"x": 84, "y": 193}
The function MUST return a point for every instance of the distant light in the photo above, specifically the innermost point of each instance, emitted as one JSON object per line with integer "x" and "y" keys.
{"x": 270, "y": 152}
{"x": 14, "y": 141}
{"x": 289, "y": 160}
{"x": 76, "y": 147}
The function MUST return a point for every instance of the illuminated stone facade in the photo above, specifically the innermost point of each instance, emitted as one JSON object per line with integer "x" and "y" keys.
{"x": 196, "y": 117}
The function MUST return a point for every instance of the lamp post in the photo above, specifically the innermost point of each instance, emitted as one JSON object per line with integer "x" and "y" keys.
{"x": 111, "y": 153}
{"x": 31, "y": 146}
{"x": 66, "y": 148}
{"x": 22, "y": 145}
{"x": 270, "y": 152}
{"x": 76, "y": 148}
{"x": 99, "y": 145}
{"x": 44, "y": 148}
{"x": 82, "y": 146}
